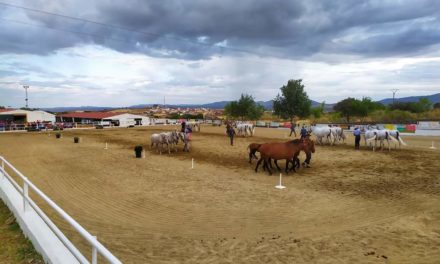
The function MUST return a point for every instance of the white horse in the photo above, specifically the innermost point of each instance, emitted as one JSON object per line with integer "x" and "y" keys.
{"x": 171, "y": 138}
{"x": 396, "y": 134}
{"x": 381, "y": 136}
{"x": 185, "y": 139}
{"x": 194, "y": 126}
{"x": 245, "y": 129}
{"x": 156, "y": 140}
{"x": 369, "y": 136}
{"x": 338, "y": 134}
{"x": 323, "y": 132}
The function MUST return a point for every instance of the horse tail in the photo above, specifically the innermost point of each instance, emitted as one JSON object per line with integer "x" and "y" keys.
{"x": 253, "y": 130}
{"x": 393, "y": 139}
{"x": 342, "y": 133}
{"x": 373, "y": 138}
{"x": 400, "y": 139}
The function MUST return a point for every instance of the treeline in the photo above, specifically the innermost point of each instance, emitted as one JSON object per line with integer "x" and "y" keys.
{"x": 367, "y": 110}
{"x": 185, "y": 116}
{"x": 293, "y": 103}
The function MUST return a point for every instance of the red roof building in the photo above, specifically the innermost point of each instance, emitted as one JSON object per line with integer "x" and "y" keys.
{"x": 84, "y": 117}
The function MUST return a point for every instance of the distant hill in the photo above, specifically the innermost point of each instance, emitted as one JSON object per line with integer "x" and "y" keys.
{"x": 268, "y": 105}
{"x": 434, "y": 98}
{"x": 78, "y": 108}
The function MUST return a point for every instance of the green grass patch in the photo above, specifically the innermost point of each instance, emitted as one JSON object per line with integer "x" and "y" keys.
{"x": 14, "y": 247}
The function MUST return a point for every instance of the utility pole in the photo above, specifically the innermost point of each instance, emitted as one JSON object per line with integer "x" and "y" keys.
{"x": 164, "y": 102}
{"x": 26, "y": 87}
{"x": 394, "y": 93}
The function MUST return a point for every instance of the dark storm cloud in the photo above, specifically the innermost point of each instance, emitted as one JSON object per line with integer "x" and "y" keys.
{"x": 198, "y": 29}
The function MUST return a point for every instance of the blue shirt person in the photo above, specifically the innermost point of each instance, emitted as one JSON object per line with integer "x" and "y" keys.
{"x": 357, "y": 137}
{"x": 304, "y": 132}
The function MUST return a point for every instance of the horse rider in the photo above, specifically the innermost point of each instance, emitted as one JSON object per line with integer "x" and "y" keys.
{"x": 292, "y": 128}
{"x": 357, "y": 137}
{"x": 230, "y": 132}
{"x": 304, "y": 132}
{"x": 183, "y": 129}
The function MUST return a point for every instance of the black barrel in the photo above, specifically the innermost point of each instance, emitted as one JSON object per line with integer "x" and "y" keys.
{"x": 76, "y": 140}
{"x": 58, "y": 135}
{"x": 138, "y": 151}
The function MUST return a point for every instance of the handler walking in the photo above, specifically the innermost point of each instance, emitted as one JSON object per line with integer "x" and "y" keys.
{"x": 304, "y": 132}
{"x": 292, "y": 128}
{"x": 230, "y": 132}
{"x": 183, "y": 129}
{"x": 357, "y": 137}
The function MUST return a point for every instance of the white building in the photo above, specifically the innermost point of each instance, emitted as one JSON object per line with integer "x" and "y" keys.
{"x": 25, "y": 116}
{"x": 127, "y": 120}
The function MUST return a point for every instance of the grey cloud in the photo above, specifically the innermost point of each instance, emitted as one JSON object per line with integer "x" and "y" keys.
{"x": 173, "y": 28}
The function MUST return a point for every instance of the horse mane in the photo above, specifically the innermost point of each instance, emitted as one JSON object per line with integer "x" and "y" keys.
{"x": 295, "y": 141}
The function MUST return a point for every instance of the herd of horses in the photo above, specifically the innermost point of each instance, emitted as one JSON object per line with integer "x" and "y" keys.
{"x": 170, "y": 139}
{"x": 288, "y": 151}
{"x": 382, "y": 135}
{"x": 333, "y": 134}
{"x": 244, "y": 129}
{"x": 372, "y": 136}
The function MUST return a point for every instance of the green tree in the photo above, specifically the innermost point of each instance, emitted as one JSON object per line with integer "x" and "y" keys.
{"x": 423, "y": 105}
{"x": 244, "y": 108}
{"x": 436, "y": 106}
{"x": 293, "y": 101}
{"x": 365, "y": 107}
{"x": 347, "y": 108}
{"x": 318, "y": 111}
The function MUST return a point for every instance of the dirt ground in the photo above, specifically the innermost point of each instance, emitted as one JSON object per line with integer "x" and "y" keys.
{"x": 350, "y": 207}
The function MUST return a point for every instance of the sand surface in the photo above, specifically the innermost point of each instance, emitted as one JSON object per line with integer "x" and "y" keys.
{"x": 350, "y": 207}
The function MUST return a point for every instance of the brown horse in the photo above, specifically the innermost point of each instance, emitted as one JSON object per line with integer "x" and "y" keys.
{"x": 253, "y": 148}
{"x": 287, "y": 150}
{"x": 296, "y": 164}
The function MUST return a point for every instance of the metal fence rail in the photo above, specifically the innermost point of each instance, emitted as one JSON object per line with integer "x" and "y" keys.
{"x": 96, "y": 246}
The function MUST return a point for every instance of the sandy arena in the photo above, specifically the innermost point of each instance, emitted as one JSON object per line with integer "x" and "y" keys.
{"x": 350, "y": 207}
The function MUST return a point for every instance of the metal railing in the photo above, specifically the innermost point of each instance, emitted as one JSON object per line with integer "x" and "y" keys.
{"x": 97, "y": 247}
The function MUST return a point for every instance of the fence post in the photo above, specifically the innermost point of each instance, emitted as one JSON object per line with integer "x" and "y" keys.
{"x": 25, "y": 193}
{"x": 94, "y": 254}
{"x": 3, "y": 168}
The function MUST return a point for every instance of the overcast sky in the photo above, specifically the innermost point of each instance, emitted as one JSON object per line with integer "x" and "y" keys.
{"x": 121, "y": 53}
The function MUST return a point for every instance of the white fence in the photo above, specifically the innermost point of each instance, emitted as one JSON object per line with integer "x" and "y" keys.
{"x": 38, "y": 226}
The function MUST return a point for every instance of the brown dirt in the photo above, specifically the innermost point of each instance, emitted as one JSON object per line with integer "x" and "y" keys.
{"x": 350, "y": 207}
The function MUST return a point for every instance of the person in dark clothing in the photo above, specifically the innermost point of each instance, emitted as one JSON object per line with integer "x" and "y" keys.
{"x": 292, "y": 129}
{"x": 357, "y": 137}
{"x": 183, "y": 127}
{"x": 230, "y": 132}
{"x": 306, "y": 162}
{"x": 304, "y": 132}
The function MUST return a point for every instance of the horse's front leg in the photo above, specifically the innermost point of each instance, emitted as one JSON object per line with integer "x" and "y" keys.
{"x": 258, "y": 164}
{"x": 268, "y": 169}
{"x": 287, "y": 166}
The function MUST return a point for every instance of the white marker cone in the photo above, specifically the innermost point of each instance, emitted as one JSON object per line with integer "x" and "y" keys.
{"x": 106, "y": 146}
{"x": 280, "y": 186}
{"x": 192, "y": 163}
{"x": 432, "y": 145}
